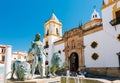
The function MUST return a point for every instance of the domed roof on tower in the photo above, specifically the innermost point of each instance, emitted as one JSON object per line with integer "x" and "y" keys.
{"x": 53, "y": 17}
{"x": 53, "y": 27}
{"x": 95, "y": 15}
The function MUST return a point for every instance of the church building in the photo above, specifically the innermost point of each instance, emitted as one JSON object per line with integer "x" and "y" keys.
{"x": 94, "y": 46}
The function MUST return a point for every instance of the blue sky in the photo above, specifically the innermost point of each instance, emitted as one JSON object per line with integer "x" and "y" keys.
{"x": 20, "y": 20}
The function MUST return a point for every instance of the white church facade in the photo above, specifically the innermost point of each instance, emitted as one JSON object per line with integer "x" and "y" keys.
{"x": 94, "y": 46}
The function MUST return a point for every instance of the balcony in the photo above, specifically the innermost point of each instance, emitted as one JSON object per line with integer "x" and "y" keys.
{"x": 115, "y": 21}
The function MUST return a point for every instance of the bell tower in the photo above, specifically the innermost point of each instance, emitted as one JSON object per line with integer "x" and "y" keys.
{"x": 53, "y": 27}
{"x": 95, "y": 15}
{"x": 52, "y": 30}
{"x": 52, "y": 33}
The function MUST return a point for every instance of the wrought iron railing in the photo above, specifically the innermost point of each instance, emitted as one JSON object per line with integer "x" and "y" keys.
{"x": 115, "y": 21}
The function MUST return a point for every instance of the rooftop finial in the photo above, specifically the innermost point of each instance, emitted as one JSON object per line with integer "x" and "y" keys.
{"x": 52, "y": 10}
{"x": 80, "y": 25}
{"x": 53, "y": 16}
{"x": 95, "y": 14}
{"x": 94, "y": 6}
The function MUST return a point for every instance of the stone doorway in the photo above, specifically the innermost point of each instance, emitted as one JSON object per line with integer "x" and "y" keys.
{"x": 74, "y": 62}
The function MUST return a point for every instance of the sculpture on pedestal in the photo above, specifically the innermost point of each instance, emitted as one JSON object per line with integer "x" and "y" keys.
{"x": 21, "y": 69}
{"x": 37, "y": 48}
{"x": 55, "y": 63}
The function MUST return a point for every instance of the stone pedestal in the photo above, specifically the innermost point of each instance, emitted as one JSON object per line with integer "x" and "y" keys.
{"x": 38, "y": 80}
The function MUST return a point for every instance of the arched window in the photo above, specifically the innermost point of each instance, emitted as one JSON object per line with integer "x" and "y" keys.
{"x": 46, "y": 45}
{"x": 57, "y": 32}
{"x": 96, "y": 15}
{"x": 47, "y": 33}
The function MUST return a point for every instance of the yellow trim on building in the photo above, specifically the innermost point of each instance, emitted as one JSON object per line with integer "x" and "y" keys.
{"x": 110, "y": 2}
{"x": 52, "y": 35}
{"x": 106, "y": 5}
{"x": 115, "y": 9}
{"x": 55, "y": 24}
{"x": 58, "y": 42}
{"x": 52, "y": 21}
{"x": 92, "y": 30}
{"x": 92, "y": 22}
{"x": 118, "y": 38}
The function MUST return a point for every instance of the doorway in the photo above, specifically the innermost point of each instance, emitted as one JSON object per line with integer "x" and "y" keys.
{"x": 74, "y": 62}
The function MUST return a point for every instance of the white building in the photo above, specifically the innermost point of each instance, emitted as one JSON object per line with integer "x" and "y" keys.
{"x": 95, "y": 46}
{"x": 3, "y": 50}
{"x": 5, "y": 61}
{"x": 107, "y": 39}
{"x": 2, "y": 53}
{"x": 18, "y": 55}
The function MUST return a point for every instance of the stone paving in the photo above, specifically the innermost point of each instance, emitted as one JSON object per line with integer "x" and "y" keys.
{"x": 38, "y": 80}
{"x": 58, "y": 80}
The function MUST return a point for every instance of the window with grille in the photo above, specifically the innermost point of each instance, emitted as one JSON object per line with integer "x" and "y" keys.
{"x": 95, "y": 56}
{"x": 94, "y": 44}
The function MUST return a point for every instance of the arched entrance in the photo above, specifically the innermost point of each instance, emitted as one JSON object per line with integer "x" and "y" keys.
{"x": 74, "y": 62}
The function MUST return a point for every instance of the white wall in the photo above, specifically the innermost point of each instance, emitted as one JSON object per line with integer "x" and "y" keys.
{"x": 16, "y": 54}
{"x": 108, "y": 45}
{"x": 60, "y": 47}
{"x": 51, "y": 39}
{"x": 107, "y": 48}
{"x": 107, "y": 16}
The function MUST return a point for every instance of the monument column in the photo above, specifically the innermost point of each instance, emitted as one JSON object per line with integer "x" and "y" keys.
{"x": 8, "y": 55}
